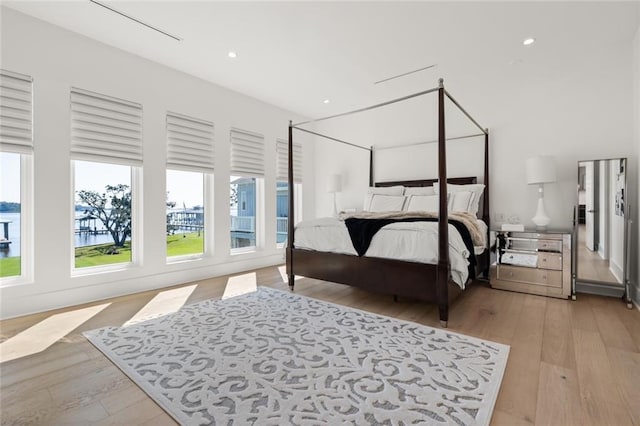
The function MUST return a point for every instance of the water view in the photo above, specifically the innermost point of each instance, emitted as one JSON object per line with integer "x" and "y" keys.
{"x": 82, "y": 239}
{"x": 13, "y": 249}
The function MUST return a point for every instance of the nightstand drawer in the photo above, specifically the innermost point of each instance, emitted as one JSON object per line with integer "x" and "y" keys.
{"x": 550, "y": 261}
{"x": 533, "y": 245}
{"x": 530, "y": 275}
{"x": 550, "y": 245}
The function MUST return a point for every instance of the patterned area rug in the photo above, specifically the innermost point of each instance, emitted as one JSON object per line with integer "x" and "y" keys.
{"x": 276, "y": 358}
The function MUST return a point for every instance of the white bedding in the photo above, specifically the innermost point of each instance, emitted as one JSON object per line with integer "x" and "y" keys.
{"x": 409, "y": 241}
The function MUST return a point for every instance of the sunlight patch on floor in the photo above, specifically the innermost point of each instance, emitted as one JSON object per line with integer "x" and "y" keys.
{"x": 240, "y": 284}
{"x": 40, "y": 336}
{"x": 165, "y": 302}
{"x": 283, "y": 273}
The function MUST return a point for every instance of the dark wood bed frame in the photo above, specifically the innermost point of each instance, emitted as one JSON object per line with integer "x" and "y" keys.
{"x": 422, "y": 281}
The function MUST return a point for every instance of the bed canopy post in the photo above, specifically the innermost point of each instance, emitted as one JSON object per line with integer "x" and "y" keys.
{"x": 486, "y": 214}
{"x": 371, "y": 166}
{"x": 442, "y": 290}
{"x": 290, "y": 221}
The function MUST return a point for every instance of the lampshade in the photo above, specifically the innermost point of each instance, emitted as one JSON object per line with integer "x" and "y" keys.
{"x": 541, "y": 169}
{"x": 335, "y": 184}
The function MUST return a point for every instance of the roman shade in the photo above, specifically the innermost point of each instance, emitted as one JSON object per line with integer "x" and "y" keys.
{"x": 16, "y": 112}
{"x": 247, "y": 153}
{"x": 189, "y": 143}
{"x": 105, "y": 129}
{"x": 282, "y": 166}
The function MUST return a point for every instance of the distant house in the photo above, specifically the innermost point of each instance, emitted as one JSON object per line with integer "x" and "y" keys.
{"x": 243, "y": 220}
{"x": 185, "y": 220}
{"x": 282, "y": 211}
{"x": 243, "y": 216}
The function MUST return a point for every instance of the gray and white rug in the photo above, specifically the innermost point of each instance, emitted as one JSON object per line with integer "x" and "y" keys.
{"x": 276, "y": 358}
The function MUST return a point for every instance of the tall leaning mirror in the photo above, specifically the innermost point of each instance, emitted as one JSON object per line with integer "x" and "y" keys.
{"x": 601, "y": 228}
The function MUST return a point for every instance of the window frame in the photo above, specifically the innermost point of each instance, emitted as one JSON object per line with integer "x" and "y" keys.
{"x": 208, "y": 231}
{"x": 297, "y": 210}
{"x": 27, "y": 246}
{"x": 258, "y": 219}
{"x": 136, "y": 225}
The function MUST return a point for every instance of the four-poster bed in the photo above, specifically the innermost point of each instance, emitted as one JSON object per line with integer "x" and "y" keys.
{"x": 423, "y": 281}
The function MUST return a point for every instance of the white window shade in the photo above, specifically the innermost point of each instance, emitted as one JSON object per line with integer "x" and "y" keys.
{"x": 282, "y": 166}
{"x": 16, "y": 112}
{"x": 189, "y": 143}
{"x": 105, "y": 129}
{"x": 247, "y": 153}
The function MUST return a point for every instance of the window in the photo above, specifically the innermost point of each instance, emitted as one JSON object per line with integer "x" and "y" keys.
{"x": 10, "y": 230}
{"x": 282, "y": 187}
{"x": 247, "y": 171}
{"x": 185, "y": 213}
{"x": 190, "y": 161}
{"x": 102, "y": 214}
{"x": 243, "y": 212}
{"x": 106, "y": 148}
{"x": 16, "y": 152}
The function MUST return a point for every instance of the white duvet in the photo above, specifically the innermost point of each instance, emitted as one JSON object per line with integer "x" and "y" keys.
{"x": 408, "y": 241}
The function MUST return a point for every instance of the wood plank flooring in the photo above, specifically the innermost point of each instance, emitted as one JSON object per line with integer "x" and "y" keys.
{"x": 571, "y": 363}
{"x": 590, "y": 265}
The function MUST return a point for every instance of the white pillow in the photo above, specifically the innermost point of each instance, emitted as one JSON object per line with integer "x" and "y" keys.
{"x": 386, "y": 190}
{"x": 426, "y": 203}
{"x": 476, "y": 188}
{"x": 419, "y": 190}
{"x": 383, "y": 190}
{"x": 460, "y": 201}
{"x": 386, "y": 203}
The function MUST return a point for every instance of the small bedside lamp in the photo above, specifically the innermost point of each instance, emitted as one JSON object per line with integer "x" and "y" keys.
{"x": 334, "y": 186}
{"x": 541, "y": 170}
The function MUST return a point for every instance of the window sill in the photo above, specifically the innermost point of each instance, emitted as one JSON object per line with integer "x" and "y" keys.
{"x": 14, "y": 281}
{"x": 244, "y": 250}
{"x": 97, "y": 270}
{"x": 173, "y": 260}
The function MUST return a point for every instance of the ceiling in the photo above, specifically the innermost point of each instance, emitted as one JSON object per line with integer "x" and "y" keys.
{"x": 296, "y": 54}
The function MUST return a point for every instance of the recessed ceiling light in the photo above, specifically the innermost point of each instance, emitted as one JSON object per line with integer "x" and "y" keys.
{"x": 529, "y": 41}
{"x": 326, "y": 101}
{"x": 232, "y": 55}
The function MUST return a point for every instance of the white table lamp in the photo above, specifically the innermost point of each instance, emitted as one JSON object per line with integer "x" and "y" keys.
{"x": 541, "y": 170}
{"x": 334, "y": 186}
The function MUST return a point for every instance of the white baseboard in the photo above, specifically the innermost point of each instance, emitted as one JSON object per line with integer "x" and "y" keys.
{"x": 616, "y": 270}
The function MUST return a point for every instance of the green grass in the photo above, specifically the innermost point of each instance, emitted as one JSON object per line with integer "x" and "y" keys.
{"x": 97, "y": 255}
{"x": 177, "y": 245}
{"x": 10, "y": 266}
{"x": 185, "y": 244}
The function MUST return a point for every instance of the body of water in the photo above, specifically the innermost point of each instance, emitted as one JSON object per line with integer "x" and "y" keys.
{"x": 80, "y": 240}
{"x": 14, "y": 235}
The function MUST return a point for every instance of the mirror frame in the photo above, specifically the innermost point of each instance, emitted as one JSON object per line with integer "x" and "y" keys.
{"x": 594, "y": 285}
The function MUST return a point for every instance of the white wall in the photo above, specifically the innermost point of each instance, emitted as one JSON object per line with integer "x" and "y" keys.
{"x": 615, "y": 229}
{"x": 581, "y": 109}
{"x": 604, "y": 208}
{"x": 584, "y": 107}
{"x": 583, "y": 113}
{"x": 635, "y": 252}
{"x": 58, "y": 60}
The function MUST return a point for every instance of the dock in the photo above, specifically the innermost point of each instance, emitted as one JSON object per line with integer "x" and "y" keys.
{"x": 5, "y": 241}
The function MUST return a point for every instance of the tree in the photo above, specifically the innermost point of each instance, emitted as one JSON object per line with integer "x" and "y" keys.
{"x": 171, "y": 229}
{"x": 112, "y": 208}
{"x": 233, "y": 194}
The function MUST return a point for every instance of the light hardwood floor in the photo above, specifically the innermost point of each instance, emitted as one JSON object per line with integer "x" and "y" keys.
{"x": 570, "y": 362}
{"x": 590, "y": 265}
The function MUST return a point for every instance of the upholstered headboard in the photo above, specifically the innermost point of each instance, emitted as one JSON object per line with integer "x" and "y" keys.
{"x": 431, "y": 182}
